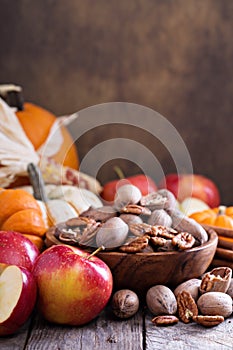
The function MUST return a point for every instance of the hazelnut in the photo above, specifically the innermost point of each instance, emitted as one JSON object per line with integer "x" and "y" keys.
{"x": 125, "y": 303}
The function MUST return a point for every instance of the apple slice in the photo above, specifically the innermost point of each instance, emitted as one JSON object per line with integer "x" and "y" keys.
{"x": 17, "y": 297}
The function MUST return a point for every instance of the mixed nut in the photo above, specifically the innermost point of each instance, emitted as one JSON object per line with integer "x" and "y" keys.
{"x": 133, "y": 224}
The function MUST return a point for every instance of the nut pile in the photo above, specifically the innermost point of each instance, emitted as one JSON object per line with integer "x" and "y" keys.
{"x": 134, "y": 223}
{"x": 206, "y": 301}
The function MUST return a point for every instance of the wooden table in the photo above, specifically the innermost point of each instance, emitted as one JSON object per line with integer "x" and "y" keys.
{"x": 107, "y": 332}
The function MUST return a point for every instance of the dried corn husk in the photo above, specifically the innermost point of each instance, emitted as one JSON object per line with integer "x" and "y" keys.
{"x": 16, "y": 151}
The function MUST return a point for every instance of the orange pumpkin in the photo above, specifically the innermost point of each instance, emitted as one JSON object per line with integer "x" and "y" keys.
{"x": 38, "y": 241}
{"x": 21, "y": 212}
{"x": 36, "y": 122}
{"x": 218, "y": 217}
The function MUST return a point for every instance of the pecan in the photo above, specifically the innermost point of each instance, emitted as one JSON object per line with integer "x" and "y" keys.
{"x": 140, "y": 229}
{"x": 217, "y": 280}
{"x": 153, "y": 201}
{"x": 158, "y": 241}
{"x": 165, "y": 320}
{"x": 187, "y": 308}
{"x": 136, "y": 245}
{"x": 183, "y": 240}
{"x": 163, "y": 231}
{"x": 101, "y": 214}
{"x": 135, "y": 209}
{"x": 208, "y": 321}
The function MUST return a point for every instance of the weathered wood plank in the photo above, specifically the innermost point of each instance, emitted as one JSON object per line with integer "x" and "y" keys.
{"x": 105, "y": 332}
{"x": 188, "y": 336}
{"x": 16, "y": 341}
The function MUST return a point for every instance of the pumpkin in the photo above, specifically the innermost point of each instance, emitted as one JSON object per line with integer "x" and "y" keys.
{"x": 21, "y": 212}
{"x": 219, "y": 217}
{"x": 37, "y": 122}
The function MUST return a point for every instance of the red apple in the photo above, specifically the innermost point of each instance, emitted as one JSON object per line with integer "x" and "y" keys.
{"x": 188, "y": 185}
{"x": 18, "y": 296}
{"x": 73, "y": 286}
{"x": 144, "y": 183}
{"x": 15, "y": 249}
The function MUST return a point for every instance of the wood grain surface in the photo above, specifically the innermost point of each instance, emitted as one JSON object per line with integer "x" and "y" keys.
{"x": 188, "y": 336}
{"x": 18, "y": 340}
{"x": 107, "y": 332}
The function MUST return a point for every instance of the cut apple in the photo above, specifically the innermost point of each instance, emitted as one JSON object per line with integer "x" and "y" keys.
{"x": 17, "y": 297}
{"x": 192, "y": 205}
{"x": 11, "y": 284}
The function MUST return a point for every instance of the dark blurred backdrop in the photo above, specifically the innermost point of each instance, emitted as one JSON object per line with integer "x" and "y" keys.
{"x": 174, "y": 56}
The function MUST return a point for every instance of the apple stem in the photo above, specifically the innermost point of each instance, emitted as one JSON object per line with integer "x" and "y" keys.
{"x": 95, "y": 252}
{"x": 119, "y": 172}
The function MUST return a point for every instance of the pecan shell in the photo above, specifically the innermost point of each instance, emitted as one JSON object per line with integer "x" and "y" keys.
{"x": 217, "y": 280}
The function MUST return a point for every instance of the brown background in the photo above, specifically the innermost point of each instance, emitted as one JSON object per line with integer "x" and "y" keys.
{"x": 174, "y": 56}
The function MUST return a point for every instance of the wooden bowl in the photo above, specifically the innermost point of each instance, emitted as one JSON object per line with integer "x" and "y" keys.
{"x": 140, "y": 271}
